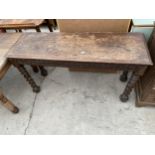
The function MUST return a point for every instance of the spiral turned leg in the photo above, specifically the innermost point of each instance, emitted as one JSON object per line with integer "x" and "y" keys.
{"x": 43, "y": 71}
{"x": 124, "y": 76}
{"x": 8, "y": 104}
{"x": 35, "y": 68}
{"x": 27, "y": 76}
{"x": 130, "y": 85}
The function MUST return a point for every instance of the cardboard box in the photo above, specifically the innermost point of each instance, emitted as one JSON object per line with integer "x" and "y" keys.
{"x": 94, "y": 25}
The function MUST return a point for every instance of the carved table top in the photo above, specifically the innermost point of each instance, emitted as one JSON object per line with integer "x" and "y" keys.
{"x": 14, "y": 23}
{"x": 121, "y": 48}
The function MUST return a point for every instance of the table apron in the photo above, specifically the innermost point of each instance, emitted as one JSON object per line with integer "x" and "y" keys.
{"x": 79, "y": 64}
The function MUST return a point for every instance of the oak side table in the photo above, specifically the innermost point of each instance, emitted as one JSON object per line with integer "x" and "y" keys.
{"x": 123, "y": 51}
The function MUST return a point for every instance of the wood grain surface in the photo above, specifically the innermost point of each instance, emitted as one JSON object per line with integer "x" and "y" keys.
{"x": 121, "y": 48}
{"x": 6, "y": 42}
{"x": 14, "y": 23}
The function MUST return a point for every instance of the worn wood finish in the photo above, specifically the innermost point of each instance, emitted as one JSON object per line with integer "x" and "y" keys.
{"x": 98, "y": 50}
{"x": 6, "y": 42}
{"x": 145, "y": 88}
{"x": 8, "y": 104}
{"x": 93, "y": 25}
{"x": 20, "y": 23}
{"x": 83, "y": 47}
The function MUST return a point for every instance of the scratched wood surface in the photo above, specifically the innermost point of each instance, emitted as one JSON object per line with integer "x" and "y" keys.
{"x": 126, "y": 48}
{"x": 6, "y": 42}
{"x": 14, "y": 23}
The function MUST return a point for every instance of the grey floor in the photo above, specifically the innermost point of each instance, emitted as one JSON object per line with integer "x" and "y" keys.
{"x": 72, "y": 103}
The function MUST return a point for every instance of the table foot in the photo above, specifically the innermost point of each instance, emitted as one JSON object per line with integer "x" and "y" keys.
{"x": 130, "y": 85}
{"x": 8, "y": 104}
{"x": 27, "y": 76}
{"x": 124, "y": 98}
{"x": 124, "y": 76}
{"x": 36, "y": 89}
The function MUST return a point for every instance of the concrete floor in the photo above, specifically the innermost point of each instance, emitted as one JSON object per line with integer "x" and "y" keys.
{"x": 72, "y": 103}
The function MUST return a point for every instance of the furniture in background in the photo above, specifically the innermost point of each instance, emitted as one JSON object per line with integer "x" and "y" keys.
{"x": 144, "y": 26}
{"x": 6, "y": 42}
{"x": 123, "y": 51}
{"x": 18, "y": 25}
{"x": 145, "y": 88}
{"x": 93, "y": 25}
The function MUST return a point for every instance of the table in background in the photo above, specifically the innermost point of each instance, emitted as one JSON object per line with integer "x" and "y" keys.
{"x": 19, "y": 24}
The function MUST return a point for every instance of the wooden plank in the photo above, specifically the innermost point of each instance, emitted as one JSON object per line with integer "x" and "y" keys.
{"x": 6, "y": 42}
{"x": 4, "y": 70}
{"x": 20, "y": 23}
{"x": 121, "y": 48}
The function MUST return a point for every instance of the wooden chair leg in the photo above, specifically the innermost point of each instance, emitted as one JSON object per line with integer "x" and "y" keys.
{"x": 8, "y": 104}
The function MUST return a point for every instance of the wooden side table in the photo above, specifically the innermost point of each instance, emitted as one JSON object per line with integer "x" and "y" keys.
{"x": 101, "y": 50}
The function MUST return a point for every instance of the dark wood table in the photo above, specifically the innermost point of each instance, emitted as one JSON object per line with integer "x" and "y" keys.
{"x": 124, "y": 51}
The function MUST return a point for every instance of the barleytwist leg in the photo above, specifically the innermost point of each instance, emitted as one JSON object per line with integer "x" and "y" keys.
{"x": 43, "y": 71}
{"x": 49, "y": 25}
{"x": 38, "y": 29}
{"x": 8, "y": 104}
{"x": 130, "y": 85}
{"x": 27, "y": 76}
{"x": 35, "y": 68}
{"x": 124, "y": 76}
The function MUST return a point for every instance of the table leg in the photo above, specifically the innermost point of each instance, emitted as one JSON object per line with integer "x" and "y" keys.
{"x": 130, "y": 85}
{"x": 124, "y": 76}
{"x": 35, "y": 68}
{"x": 3, "y": 30}
{"x": 43, "y": 71}
{"x": 38, "y": 29}
{"x": 49, "y": 25}
{"x": 8, "y": 104}
{"x": 27, "y": 76}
